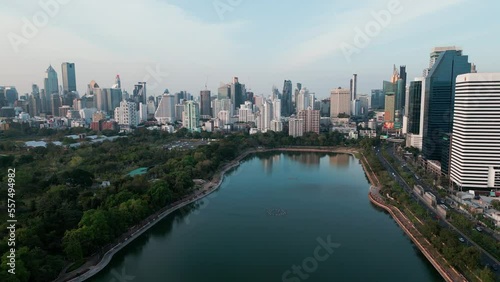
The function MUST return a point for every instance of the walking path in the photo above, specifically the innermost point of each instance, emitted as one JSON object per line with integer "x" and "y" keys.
{"x": 448, "y": 272}
{"x": 94, "y": 265}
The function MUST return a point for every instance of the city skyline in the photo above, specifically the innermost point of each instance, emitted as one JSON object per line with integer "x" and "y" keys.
{"x": 231, "y": 44}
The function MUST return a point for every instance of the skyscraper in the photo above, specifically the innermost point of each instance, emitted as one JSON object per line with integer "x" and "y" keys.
{"x": 439, "y": 99}
{"x": 354, "y": 87}
{"x": 118, "y": 82}
{"x": 303, "y": 100}
{"x": 140, "y": 94}
{"x": 224, "y": 92}
{"x": 205, "y": 103}
{"x": 378, "y": 99}
{"x": 402, "y": 90}
{"x": 415, "y": 107}
{"x": 191, "y": 116}
{"x": 286, "y": 99}
{"x": 68, "y": 77}
{"x": 238, "y": 93}
{"x": 51, "y": 86}
{"x": 165, "y": 113}
{"x": 340, "y": 102}
{"x": 475, "y": 145}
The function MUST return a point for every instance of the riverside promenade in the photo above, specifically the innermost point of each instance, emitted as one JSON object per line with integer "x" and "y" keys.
{"x": 97, "y": 263}
{"x": 448, "y": 272}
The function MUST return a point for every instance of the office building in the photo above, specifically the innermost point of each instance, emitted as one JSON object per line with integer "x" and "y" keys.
{"x": 205, "y": 103}
{"x": 224, "y": 92}
{"x": 140, "y": 94}
{"x": 286, "y": 99}
{"x": 55, "y": 103}
{"x": 246, "y": 113}
{"x": 68, "y": 77}
{"x": 378, "y": 99}
{"x": 340, "y": 102}
{"x": 354, "y": 87}
{"x": 238, "y": 93}
{"x": 51, "y": 86}
{"x": 222, "y": 105}
{"x": 475, "y": 145}
{"x": 165, "y": 113}
{"x": 439, "y": 99}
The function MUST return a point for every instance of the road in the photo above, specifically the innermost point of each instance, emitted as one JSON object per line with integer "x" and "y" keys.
{"x": 486, "y": 258}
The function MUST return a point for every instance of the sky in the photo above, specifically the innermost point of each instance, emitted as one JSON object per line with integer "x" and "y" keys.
{"x": 185, "y": 45}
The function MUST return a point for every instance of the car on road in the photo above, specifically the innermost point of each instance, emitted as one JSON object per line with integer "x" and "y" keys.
{"x": 461, "y": 240}
{"x": 478, "y": 228}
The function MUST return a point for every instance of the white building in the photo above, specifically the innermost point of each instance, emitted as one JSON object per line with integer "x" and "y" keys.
{"x": 165, "y": 113}
{"x": 191, "y": 116}
{"x": 475, "y": 145}
{"x": 246, "y": 113}
{"x": 416, "y": 140}
{"x": 223, "y": 118}
{"x": 340, "y": 102}
{"x": 296, "y": 127}
{"x": 303, "y": 100}
{"x": 126, "y": 114}
{"x": 223, "y": 105}
{"x": 143, "y": 112}
{"x": 276, "y": 126}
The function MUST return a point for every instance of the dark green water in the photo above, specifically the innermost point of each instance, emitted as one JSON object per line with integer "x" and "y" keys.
{"x": 231, "y": 236}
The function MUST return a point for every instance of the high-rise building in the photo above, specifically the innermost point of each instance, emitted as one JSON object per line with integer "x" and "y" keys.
{"x": 68, "y": 77}
{"x": 439, "y": 99}
{"x": 286, "y": 99}
{"x": 51, "y": 86}
{"x": 224, "y": 92}
{"x": 378, "y": 99}
{"x": 354, "y": 87}
{"x": 165, "y": 113}
{"x": 205, "y": 103}
{"x": 238, "y": 93}
{"x": 246, "y": 113}
{"x": 55, "y": 103}
{"x": 223, "y": 105}
{"x": 340, "y": 102}
{"x": 402, "y": 90}
{"x": 11, "y": 95}
{"x": 436, "y": 52}
{"x": 295, "y": 127}
{"x": 126, "y": 115}
{"x": 475, "y": 145}
{"x": 277, "y": 109}
{"x": 140, "y": 94}
{"x": 311, "y": 120}
{"x": 118, "y": 82}
{"x": 415, "y": 107}
{"x": 191, "y": 116}
{"x": 303, "y": 100}
{"x": 51, "y": 83}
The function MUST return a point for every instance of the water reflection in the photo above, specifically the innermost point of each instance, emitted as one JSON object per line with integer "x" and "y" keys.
{"x": 340, "y": 160}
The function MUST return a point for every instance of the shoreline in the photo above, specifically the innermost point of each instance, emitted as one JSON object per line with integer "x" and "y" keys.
{"x": 211, "y": 187}
{"x": 376, "y": 199}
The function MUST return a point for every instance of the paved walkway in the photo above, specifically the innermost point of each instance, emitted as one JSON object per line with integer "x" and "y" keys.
{"x": 448, "y": 272}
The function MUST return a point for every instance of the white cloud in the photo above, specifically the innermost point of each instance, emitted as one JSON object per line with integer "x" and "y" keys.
{"x": 341, "y": 28}
{"x": 101, "y": 36}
